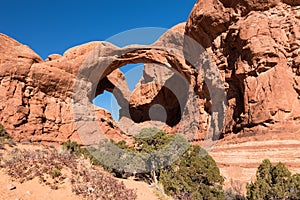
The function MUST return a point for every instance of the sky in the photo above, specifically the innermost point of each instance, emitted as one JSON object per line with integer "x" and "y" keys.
{"x": 54, "y": 26}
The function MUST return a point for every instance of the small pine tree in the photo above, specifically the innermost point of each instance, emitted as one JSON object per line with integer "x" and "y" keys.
{"x": 274, "y": 182}
{"x": 194, "y": 176}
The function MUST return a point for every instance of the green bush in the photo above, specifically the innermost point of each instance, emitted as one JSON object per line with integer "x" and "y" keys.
{"x": 274, "y": 182}
{"x": 192, "y": 175}
{"x": 76, "y": 149}
{"x": 5, "y": 138}
{"x": 71, "y": 147}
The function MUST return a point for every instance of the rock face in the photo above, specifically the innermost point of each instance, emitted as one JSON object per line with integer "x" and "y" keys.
{"x": 36, "y": 95}
{"x": 52, "y": 100}
{"x": 255, "y": 45}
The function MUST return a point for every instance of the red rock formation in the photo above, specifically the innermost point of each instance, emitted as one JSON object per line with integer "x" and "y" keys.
{"x": 39, "y": 97}
{"x": 36, "y": 95}
{"x": 255, "y": 45}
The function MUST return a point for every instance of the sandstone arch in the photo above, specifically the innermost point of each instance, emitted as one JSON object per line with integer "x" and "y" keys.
{"x": 104, "y": 60}
{"x": 46, "y": 89}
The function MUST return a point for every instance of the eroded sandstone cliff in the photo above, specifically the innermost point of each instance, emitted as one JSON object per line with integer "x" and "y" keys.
{"x": 255, "y": 45}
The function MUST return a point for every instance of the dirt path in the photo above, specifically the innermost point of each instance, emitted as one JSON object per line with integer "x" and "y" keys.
{"x": 144, "y": 191}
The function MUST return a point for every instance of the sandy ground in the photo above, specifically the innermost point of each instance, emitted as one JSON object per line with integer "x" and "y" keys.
{"x": 144, "y": 191}
{"x": 237, "y": 158}
{"x": 33, "y": 190}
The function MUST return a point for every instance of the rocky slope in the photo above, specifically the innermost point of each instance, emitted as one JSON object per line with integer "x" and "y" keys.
{"x": 254, "y": 46}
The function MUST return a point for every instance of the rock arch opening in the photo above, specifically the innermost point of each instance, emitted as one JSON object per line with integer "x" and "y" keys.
{"x": 144, "y": 92}
{"x": 116, "y": 87}
{"x": 109, "y": 102}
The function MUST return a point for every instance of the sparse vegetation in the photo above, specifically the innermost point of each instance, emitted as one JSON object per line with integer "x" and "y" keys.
{"x": 187, "y": 173}
{"x": 74, "y": 148}
{"x": 274, "y": 182}
{"x": 231, "y": 195}
{"x": 145, "y": 159}
{"x": 55, "y": 172}
{"x": 54, "y": 169}
{"x": 3, "y": 133}
{"x": 192, "y": 175}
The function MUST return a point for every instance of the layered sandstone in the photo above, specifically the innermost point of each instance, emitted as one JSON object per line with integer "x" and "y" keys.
{"x": 51, "y": 100}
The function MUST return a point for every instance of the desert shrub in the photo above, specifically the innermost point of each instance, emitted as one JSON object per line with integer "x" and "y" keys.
{"x": 72, "y": 147}
{"x": 194, "y": 175}
{"x": 144, "y": 159}
{"x": 54, "y": 168}
{"x": 25, "y": 165}
{"x": 186, "y": 173}
{"x": 75, "y": 149}
{"x": 5, "y": 138}
{"x": 274, "y": 182}
{"x": 55, "y": 172}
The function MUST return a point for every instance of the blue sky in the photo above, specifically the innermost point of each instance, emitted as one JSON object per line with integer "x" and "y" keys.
{"x": 55, "y": 26}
